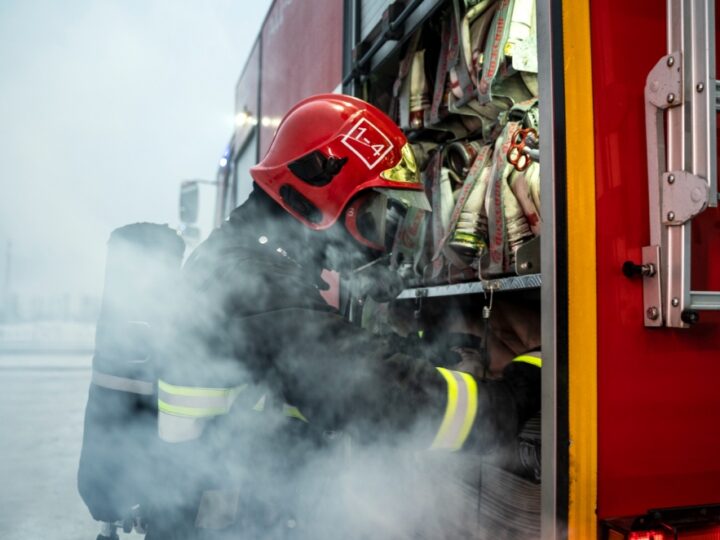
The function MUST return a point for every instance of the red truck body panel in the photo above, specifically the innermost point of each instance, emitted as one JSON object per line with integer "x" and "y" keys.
{"x": 301, "y": 56}
{"x": 246, "y": 95}
{"x": 658, "y": 398}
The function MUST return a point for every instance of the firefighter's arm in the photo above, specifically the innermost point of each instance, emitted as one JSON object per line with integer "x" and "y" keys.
{"x": 339, "y": 377}
{"x": 484, "y": 414}
{"x": 460, "y": 411}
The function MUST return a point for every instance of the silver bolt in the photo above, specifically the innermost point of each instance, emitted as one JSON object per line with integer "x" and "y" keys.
{"x": 671, "y": 179}
{"x": 671, "y": 216}
{"x": 524, "y": 266}
{"x": 263, "y": 240}
{"x": 675, "y": 302}
{"x": 700, "y": 87}
{"x": 671, "y": 61}
{"x": 670, "y": 98}
{"x": 652, "y": 313}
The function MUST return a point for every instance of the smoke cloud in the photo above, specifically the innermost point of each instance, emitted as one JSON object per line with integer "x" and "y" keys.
{"x": 106, "y": 107}
{"x": 358, "y": 468}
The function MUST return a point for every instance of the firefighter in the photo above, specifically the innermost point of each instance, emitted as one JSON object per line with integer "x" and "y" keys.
{"x": 258, "y": 369}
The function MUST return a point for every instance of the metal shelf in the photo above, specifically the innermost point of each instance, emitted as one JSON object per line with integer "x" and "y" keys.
{"x": 512, "y": 283}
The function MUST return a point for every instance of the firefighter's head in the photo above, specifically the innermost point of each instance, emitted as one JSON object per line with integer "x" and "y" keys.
{"x": 336, "y": 161}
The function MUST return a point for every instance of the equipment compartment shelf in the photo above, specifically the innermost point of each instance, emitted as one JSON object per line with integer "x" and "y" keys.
{"x": 511, "y": 283}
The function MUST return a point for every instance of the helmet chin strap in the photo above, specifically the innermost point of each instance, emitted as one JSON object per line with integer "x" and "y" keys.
{"x": 352, "y": 227}
{"x": 369, "y": 204}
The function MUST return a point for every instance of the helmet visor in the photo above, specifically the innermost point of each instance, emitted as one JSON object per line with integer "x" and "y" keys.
{"x": 406, "y": 171}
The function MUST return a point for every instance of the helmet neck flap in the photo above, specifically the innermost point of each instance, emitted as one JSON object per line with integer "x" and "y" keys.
{"x": 263, "y": 221}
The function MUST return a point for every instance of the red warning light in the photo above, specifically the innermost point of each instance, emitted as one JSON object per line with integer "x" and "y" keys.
{"x": 711, "y": 533}
{"x": 647, "y": 535}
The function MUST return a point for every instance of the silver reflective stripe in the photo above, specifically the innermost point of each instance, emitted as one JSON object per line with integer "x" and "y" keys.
{"x": 460, "y": 411}
{"x": 122, "y": 384}
{"x": 176, "y": 429}
{"x": 218, "y": 509}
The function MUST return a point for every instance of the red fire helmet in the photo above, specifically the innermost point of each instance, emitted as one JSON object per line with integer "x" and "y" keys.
{"x": 327, "y": 149}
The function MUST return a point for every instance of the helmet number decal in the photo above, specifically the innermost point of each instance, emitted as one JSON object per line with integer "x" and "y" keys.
{"x": 367, "y": 142}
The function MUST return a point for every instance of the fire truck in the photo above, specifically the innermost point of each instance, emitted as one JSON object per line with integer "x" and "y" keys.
{"x": 613, "y": 105}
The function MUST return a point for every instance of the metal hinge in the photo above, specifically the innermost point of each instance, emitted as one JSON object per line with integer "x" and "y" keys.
{"x": 682, "y": 97}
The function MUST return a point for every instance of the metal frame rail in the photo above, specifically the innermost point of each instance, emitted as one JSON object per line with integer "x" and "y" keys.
{"x": 681, "y": 102}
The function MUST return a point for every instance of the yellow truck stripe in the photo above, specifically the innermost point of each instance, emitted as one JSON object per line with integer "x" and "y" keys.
{"x": 582, "y": 308}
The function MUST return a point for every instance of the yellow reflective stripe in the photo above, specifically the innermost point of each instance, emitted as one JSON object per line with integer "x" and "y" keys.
{"x": 194, "y": 412}
{"x": 460, "y": 411}
{"x": 294, "y": 412}
{"x": 471, "y": 409}
{"x": 196, "y": 402}
{"x": 193, "y": 390}
{"x": 529, "y": 359}
{"x": 449, "y": 409}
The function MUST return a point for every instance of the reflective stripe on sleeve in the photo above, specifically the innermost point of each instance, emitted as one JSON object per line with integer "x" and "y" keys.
{"x": 293, "y": 412}
{"x": 122, "y": 384}
{"x": 183, "y": 411}
{"x": 289, "y": 411}
{"x": 260, "y": 405}
{"x": 197, "y": 402}
{"x": 532, "y": 358}
{"x": 460, "y": 411}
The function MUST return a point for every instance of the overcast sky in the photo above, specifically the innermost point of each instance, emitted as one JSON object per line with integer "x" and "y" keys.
{"x": 105, "y": 106}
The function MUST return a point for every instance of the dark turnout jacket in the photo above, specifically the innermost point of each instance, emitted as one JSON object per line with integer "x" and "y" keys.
{"x": 259, "y": 373}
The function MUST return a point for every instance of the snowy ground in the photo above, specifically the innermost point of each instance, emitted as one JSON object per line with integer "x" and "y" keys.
{"x": 42, "y": 402}
{"x": 46, "y": 336}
